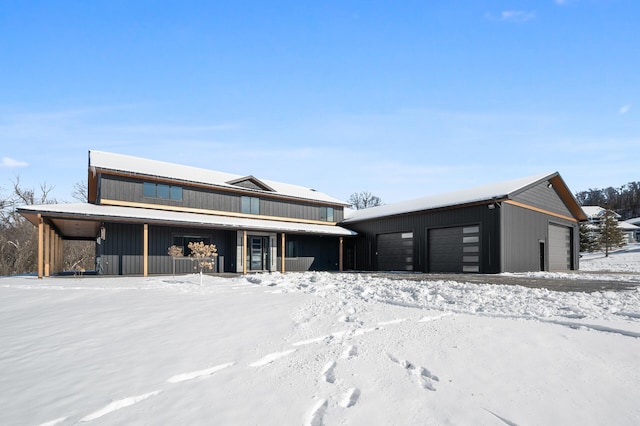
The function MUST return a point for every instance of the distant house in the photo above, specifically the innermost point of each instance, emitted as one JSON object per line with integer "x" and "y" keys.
{"x": 138, "y": 208}
{"x": 594, "y": 215}
{"x": 635, "y": 222}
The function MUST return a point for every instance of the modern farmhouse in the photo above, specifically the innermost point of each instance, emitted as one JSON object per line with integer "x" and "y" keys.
{"x": 137, "y": 208}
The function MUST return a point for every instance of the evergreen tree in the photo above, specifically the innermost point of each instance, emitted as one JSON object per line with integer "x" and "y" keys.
{"x": 588, "y": 239}
{"x": 611, "y": 235}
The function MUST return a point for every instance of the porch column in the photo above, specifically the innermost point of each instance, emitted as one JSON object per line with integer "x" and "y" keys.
{"x": 282, "y": 260}
{"x": 244, "y": 252}
{"x": 40, "y": 246}
{"x": 52, "y": 251}
{"x": 340, "y": 253}
{"x": 145, "y": 250}
{"x": 59, "y": 254}
{"x": 47, "y": 249}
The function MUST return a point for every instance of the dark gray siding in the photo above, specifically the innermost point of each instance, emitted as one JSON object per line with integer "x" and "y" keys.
{"x": 543, "y": 197}
{"x": 122, "y": 251}
{"x": 523, "y": 230}
{"x": 314, "y": 254}
{"x": 129, "y": 189}
{"x": 362, "y": 248}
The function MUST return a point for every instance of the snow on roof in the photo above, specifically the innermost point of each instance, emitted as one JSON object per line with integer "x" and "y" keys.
{"x": 467, "y": 196}
{"x": 633, "y": 221}
{"x": 144, "y": 166}
{"x": 595, "y": 211}
{"x": 627, "y": 226}
{"x": 98, "y": 212}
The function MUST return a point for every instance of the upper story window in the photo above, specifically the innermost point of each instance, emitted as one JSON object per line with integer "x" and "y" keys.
{"x": 326, "y": 214}
{"x": 162, "y": 191}
{"x": 250, "y": 205}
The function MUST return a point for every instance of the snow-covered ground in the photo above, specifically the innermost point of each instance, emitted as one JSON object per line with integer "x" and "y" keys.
{"x": 625, "y": 259}
{"x": 318, "y": 348}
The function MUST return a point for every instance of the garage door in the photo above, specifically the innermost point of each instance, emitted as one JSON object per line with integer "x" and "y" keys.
{"x": 454, "y": 249}
{"x": 559, "y": 248}
{"x": 395, "y": 251}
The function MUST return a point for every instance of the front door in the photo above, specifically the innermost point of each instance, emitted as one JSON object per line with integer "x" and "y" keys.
{"x": 258, "y": 253}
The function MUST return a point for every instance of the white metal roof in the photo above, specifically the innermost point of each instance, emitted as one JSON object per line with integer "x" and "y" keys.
{"x": 87, "y": 211}
{"x": 596, "y": 211}
{"x": 626, "y": 226}
{"x": 633, "y": 221}
{"x": 467, "y": 196}
{"x": 144, "y": 166}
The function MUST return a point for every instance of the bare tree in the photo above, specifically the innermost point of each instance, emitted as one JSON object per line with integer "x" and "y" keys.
{"x": 204, "y": 254}
{"x": 363, "y": 200}
{"x": 80, "y": 191}
{"x": 175, "y": 251}
{"x": 18, "y": 237}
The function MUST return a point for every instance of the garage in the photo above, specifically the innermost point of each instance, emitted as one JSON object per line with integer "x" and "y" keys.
{"x": 559, "y": 248}
{"x": 395, "y": 251}
{"x": 455, "y": 249}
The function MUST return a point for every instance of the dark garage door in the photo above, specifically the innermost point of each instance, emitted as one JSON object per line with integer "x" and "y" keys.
{"x": 454, "y": 249}
{"x": 559, "y": 248}
{"x": 395, "y": 251}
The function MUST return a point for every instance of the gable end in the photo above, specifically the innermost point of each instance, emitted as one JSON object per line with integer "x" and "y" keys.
{"x": 250, "y": 182}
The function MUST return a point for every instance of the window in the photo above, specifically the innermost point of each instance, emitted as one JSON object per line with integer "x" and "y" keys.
{"x": 184, "y": 240}
{"x": 162, "y": 191}
{"x": 176, "y": 193}
{"x": 149, "y": 189}
{"x": 250, "y": 205}
{"x": 326, "y": 214}
{"x": 292, "y": 249}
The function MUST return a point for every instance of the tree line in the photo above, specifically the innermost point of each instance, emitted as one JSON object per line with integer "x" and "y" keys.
{"x": 624, "y": 200}
{"x": 19, "y": 238}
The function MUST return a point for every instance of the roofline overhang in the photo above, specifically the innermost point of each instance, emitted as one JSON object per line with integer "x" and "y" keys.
{"x": 233, "y": 189}
{"x": 32, "y": 214}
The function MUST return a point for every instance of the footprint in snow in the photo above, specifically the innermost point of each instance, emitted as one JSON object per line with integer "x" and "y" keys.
{"x": 328, "y": 372}
{"x": 424, "y": 377}
{"x": 350, "y": 352}
{"x": 317, "y": 413}
{"x": 350, "y": 398}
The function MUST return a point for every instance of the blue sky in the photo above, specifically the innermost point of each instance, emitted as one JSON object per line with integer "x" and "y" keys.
{"x": 400, "y": 98}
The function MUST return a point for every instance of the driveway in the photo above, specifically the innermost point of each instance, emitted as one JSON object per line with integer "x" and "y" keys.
{"x": 573, "y": 282}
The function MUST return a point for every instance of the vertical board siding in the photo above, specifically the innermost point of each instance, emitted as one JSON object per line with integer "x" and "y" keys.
{"x": 419, "y": 223}
{"x": 121, "y": 252}
{"x": 314, "y": 254}
{"x": 524, "y": 230}
{"x": 129, "y": 189}
{"x": 543, "y": 197}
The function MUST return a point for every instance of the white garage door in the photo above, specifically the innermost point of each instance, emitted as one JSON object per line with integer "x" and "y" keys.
{"x": 559, "y": 248}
